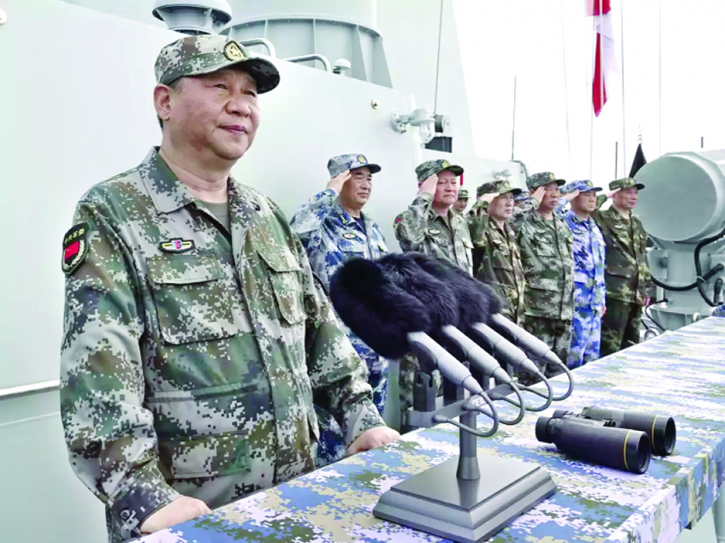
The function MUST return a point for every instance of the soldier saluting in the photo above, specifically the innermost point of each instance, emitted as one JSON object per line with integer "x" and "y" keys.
{"x": 429, "y": 225}
{"x": 496, "y": 257}
{"x": 545, "y": 243}
{"x": 334, "y": 229}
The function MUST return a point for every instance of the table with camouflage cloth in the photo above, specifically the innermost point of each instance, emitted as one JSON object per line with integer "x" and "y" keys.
{"x": 678, "y": 374}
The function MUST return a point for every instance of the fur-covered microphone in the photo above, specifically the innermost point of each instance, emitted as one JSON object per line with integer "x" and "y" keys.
{"x": 480, "y": 317}
{"x": 444, "y": 310}
{"x": 392, "y": 321}
{"x": 477, "y": 302}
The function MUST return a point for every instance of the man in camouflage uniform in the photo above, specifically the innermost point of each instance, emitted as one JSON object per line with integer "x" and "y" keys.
{"x": 496, "y": 257}
{"x": 545, "y": 243}
{"x": 195, "y": 336}
{"x": 589, "y": 289}
{"x": 429, "y": 225}
{"x": 627, "y": 275}
{"x": 333, "y": 229}
{"x": 460, "y": 205}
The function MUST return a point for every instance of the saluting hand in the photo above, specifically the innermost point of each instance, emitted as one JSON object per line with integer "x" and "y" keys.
{"x": 338, "y": 181}
{"x": 538, "y": 194}
{"x": 612, "y": 193}
{"x": 429, "y": 185}
{"x": 570, "y": 196}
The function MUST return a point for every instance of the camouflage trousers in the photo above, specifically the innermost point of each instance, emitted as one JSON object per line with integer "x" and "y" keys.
{"x": 620, "y": 326}
{"x": 331, "y": 445}
{"x": 555, "y": 333}
{"x": 585, "y": 337}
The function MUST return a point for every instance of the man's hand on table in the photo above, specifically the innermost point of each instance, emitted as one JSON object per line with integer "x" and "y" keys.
{"x": 372, "y": 439}
{"x": 180, "y": 510}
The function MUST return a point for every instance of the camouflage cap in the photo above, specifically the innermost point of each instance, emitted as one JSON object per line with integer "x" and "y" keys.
{"x": 338, "y": 164}
{"x": 584, "y": 185}
{"x": 540, "y": 179}
{"x": 463, "y": 194}
{"x": 500, "y": 186}
{"x": 625, "y": 183}
{"x": 433, "y": 167}
{"x": 199, "y": 55}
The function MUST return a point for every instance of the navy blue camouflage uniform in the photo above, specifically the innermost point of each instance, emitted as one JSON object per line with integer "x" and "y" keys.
{"x": 331, "y": 236}
{"x": 589, "y": 288}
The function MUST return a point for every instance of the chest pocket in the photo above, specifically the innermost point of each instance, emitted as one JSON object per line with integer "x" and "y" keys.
{"x": 192, "y": 302}
{"x": 351, "y": 246}
{"x": 501, "y": 256}
{"x": 284, "y": 276}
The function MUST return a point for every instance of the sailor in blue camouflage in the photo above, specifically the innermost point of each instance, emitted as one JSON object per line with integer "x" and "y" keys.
{"x": 196, "y": 339}
{"x": 589, "y": 264}
{"x": 333, "y": 229}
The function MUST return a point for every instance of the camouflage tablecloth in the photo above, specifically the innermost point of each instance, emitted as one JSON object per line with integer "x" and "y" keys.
{"x": 678, "y": 374}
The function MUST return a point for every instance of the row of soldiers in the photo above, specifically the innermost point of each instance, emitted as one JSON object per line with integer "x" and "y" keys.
{"x": 564, "y": 268}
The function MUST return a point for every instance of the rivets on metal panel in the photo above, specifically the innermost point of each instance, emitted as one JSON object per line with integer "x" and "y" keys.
{"x": 375, "y": 104}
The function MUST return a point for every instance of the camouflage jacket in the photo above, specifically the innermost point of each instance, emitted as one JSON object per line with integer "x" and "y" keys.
{"x": 496, "y": 260}
{"x": 190, "y": 357}
{"x": 332, "y": 236}
{"x": 546, "y": 254}
{"x": 627, "y": 275}
{"x": 588, "y": 250}
{"x": 420, "y": 228}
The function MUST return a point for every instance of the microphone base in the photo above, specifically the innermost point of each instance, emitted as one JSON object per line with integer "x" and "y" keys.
{"x": 437, "y": 502}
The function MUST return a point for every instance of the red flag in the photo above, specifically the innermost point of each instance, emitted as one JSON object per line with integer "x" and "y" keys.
{"x": 604, "y": 59}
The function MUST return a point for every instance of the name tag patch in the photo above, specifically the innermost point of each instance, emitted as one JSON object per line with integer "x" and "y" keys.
{"x": 176, "y": 245}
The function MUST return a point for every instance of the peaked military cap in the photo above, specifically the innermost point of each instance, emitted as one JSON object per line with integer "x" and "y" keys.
{"x": 433, "y": 167}
{"x": 463, "y": 194}
{"x": 199, "y": 55}
{"x": 625, "y": 183}
{"x": 584, "y": 185}
{"x": 540, "y": 179}
{"x": 338, "y": 164}
{"x": 500, "y": 186}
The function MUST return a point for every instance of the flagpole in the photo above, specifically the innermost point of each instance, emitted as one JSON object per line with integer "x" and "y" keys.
{"x": 513, "y": 123}
{"x": 616, "y": 158}
{"x": 659, "y": 99}
{"x": 601, "y": 65}
{"x": 566, "y": 87}
{"x": 624, "y": 124}
{"x": 591, "y": 116}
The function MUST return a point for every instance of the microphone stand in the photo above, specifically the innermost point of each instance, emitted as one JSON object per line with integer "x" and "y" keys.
{"x": 470, "y": 497}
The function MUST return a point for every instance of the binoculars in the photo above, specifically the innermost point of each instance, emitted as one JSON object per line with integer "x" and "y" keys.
{"x": 617, "y": 439}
